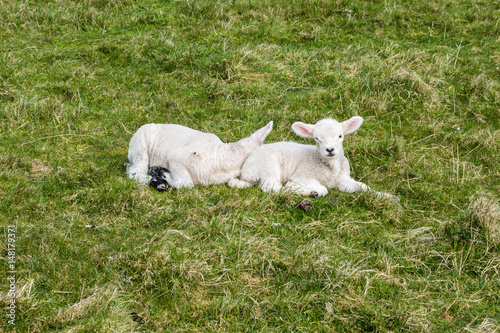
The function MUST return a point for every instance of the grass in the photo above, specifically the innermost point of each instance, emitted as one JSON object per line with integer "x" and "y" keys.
{"x": 77, "y": 78}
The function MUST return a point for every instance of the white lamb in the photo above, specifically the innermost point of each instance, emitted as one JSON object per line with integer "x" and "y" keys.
{"x": 190, "y": 156}
{"x": 304, "y": 169}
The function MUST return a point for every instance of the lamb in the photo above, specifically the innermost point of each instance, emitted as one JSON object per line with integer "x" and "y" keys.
{"x": 304, "y": 169}
{"x": 187, "y": 156}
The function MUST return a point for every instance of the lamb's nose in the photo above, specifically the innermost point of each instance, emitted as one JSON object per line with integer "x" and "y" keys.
{"x": 330, "y": 150}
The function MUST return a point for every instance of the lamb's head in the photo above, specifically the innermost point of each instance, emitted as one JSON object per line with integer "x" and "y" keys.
{"x": 328, "y": 134}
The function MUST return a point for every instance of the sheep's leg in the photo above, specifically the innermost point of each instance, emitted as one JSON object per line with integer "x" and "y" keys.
{"x": 307, "y": 187}
{"x": 349, "y": 185}
{"x": 238, "y": 183}
{"x": 270, "y": 185}
{"x": 138, "y": 172}
{"x": 267, "y": 173}
{"x": 178, "y": 176}
{"x": 139, "y": 158}
{"x": 138, "y": 167}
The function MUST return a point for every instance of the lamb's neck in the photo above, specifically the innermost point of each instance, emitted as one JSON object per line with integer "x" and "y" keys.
{"x": 331, "y": 162}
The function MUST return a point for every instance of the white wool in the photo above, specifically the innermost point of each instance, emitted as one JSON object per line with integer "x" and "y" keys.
{"x": 191, "y": 157}
{"x": 304, "y": 169}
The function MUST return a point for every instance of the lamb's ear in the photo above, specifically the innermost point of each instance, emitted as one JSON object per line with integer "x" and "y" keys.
{"x": 352, "y": 124}
{"x": 303, "y": 130}
{"x": 259, "y": 136}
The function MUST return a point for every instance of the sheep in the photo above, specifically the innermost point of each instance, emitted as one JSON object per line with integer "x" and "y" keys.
{"x": 304, "y": 169}
{"x": 187, "y": 156}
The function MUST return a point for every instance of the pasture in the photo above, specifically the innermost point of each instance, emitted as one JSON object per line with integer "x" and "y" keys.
{"x": 97, "y": 252}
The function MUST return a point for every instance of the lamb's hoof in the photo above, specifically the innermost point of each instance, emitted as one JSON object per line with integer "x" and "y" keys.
{"x": 313, "y": 195}
{"x": 304, "y": 205}
{"x": 158, "y": 180}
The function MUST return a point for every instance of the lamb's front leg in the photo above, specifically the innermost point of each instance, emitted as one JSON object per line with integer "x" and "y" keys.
{"x": 138, "y": 167}
{"x": 349, "y": 185}
{"x": 270, "y": 185}
{"x": 307, "y": 187}
{"x": 238, "y": 183}
{"x": 139, "y": 172}
{"x": 178, "y": 176}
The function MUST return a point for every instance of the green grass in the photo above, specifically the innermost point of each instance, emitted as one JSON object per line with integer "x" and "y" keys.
{"x": 78, "y": 78}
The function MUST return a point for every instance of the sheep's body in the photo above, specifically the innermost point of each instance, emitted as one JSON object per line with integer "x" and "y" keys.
{"x": 304, "y": 169}
{"x": 297, "y": 168}
{"x": 190, "y": 156}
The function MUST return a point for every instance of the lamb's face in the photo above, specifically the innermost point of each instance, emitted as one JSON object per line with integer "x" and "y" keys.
{"x": 329, "y": 136}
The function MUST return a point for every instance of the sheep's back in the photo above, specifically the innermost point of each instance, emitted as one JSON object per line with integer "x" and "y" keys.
{"x": 163, "y": 139}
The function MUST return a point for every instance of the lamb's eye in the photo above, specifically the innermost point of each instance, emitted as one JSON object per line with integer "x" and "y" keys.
{"x": 316, "y": 138}
{"x": 340, "y": 136}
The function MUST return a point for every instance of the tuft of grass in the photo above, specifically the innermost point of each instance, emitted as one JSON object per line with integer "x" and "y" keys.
{"x": 484, "y": 212}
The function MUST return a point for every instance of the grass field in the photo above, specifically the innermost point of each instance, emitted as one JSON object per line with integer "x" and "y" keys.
{"x": 78, "y": 78}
